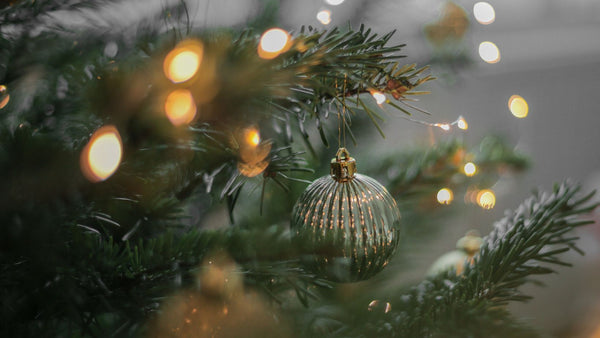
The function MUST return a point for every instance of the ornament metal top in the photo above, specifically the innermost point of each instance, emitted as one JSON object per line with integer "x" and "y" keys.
{"x": 346, "y": 224}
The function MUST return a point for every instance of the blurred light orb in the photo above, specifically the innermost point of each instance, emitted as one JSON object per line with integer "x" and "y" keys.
{"x": 489, "y": 52}
{"x": 444, "y": 126}
{"x": 334, "y": 2}
{"x": 180, "y": 107}
{"x": 183, "y": 62}
{"x": 518, "y": 106}
{"x": 272, "y": 43}
{"x": 470, "y": 169}
{"x": 379, "y": 97}
{"x": 252, "y": 137}
{"x": 324, "y": 16}
{"x": 445, "y": 196}
{"x": 486, "y": 199}
{"x": 111, "y": 49}
{"x": 484, "y": 13}
{"x": 462, "y": 123}
{"x": 4, "y": 97}
{"x": 102, "y": 155}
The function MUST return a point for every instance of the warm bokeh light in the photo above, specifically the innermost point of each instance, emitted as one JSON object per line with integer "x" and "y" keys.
{"x": 379, "y": 97}
{"x": 484, "y": 13}
{"x": 334, "y": 2}
{"x": 273, "y": 42}
{"x": 180, "y": 107}
{"x": 102, "y": 155}
{"x": 486, "y": 199}
{"x": 489, "y": 52}
{"x": 445, "y": 196}
{"x": 462, "y": 123}
{"x": 444, "y": 126}
{"x": 4, "y": 97}
{"x": 324, "y": 16}
{"x": 183, "y": 62}
{"x": 518, "y": 106}
{"x": 252, "y": 137}
{"x": 470, "y": 169}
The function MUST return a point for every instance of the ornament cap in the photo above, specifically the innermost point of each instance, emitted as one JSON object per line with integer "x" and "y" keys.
{"x": 343, "y": 167}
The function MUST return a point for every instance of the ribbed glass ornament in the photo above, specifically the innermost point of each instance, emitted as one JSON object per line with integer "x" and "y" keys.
{"x": 346, "y": 224}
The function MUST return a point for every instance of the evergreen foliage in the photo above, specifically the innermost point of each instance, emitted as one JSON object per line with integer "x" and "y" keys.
{"x": 98, "y": 259}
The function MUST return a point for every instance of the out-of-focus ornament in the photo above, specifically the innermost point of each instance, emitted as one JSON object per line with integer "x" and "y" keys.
{"x": 346, "y": 224}
{"x": 4, "y": 97}
{"x": 218, "y": 307}
{"x": 253, "y": 153}
{"x": 450, "y": 27}
{"x": 466, "y": 249}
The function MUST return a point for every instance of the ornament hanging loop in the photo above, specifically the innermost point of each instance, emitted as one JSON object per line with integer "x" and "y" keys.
{"x": 343, "y": 167}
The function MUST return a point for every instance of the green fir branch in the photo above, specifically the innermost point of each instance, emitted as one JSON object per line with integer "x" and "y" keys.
{"x": 525, "y": 243}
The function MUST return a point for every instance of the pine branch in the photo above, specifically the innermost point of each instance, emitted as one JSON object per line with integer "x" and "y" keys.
{"x": 422, "y": 172}
{"x": 527, "y": 242}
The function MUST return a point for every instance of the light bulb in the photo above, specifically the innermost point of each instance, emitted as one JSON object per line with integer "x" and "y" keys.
{"x": 252, "y": 137}
{"x": 445, "y": 196}
{"x": 462, "y": 123}
{"x": 379, "y": 97}
{"x": 518, "y": 106}
{"x": 102, "y": 155}
{"x": 484, "y": 13}
{"x": 180, "y": 107}
{"x": 489, "y": 52}
{"x": 272, "y": 43}
{"x": 444, "y": 126}
{"x": 334, "y": 2}
{"x": 324, "y": 16}
{"x": 470, "y": 169}
{"x": 486, "y": 199}
{"x": 183, "y": 62}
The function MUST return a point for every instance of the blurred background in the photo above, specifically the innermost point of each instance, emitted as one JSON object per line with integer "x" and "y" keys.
{"x": 544, "y": 52}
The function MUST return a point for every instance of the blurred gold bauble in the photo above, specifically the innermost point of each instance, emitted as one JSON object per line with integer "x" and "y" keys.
{"x": 466, "y": 249}
{"x": 450, "y": 27}
{"x": 218, "y": 307}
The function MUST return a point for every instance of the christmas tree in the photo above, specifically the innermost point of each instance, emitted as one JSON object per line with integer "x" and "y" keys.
{"x": 155, "y": 182}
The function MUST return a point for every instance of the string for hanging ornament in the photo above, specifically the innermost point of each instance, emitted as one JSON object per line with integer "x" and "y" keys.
{"x": 346, "y": 225}
{"x": 344, "y": 110}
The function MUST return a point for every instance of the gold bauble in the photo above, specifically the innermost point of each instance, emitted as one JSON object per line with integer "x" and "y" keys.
{"x": 346, "y": 224}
